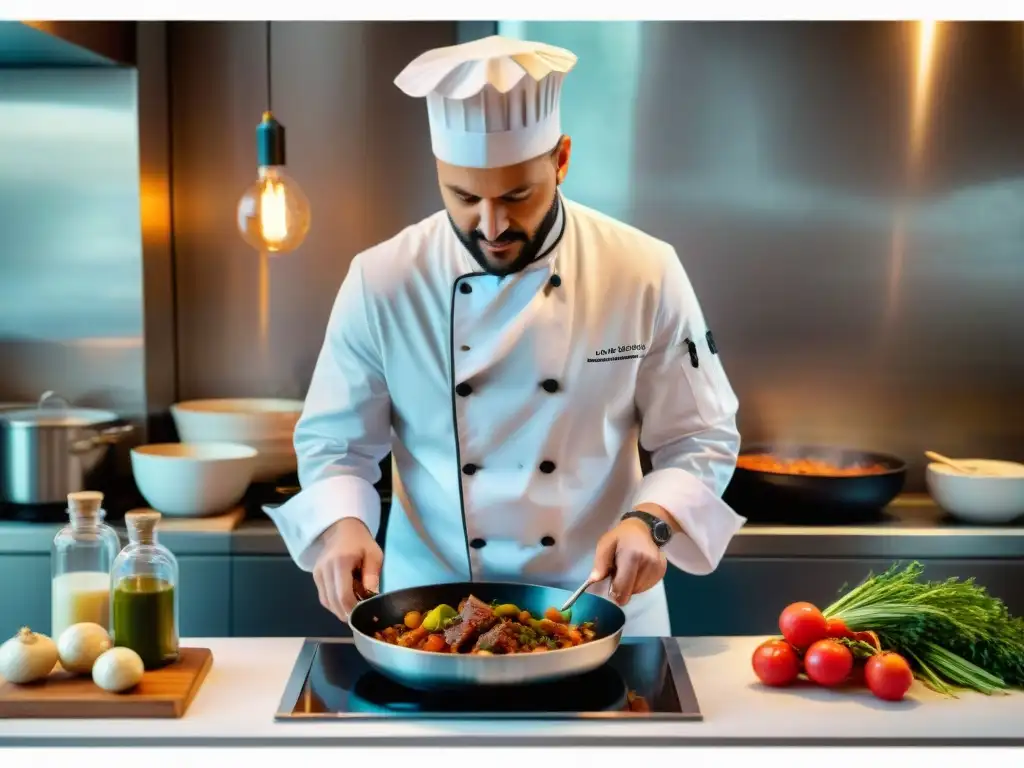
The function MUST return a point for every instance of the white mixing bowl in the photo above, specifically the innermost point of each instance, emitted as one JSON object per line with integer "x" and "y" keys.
{"x": 994, "y": 495}
{"x": 193, "y": 479}
{"x": 266, "y": 424}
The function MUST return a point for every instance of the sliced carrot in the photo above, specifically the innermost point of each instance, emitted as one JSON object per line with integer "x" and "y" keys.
{"x": 412, "y": 637}
{"x": 555, "y": 615}
{"x": 435, "y": 644}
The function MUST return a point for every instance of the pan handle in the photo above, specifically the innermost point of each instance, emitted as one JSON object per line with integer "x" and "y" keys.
{"x": 361, "y": 592}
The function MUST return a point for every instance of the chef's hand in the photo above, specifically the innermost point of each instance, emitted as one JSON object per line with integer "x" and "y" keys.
{"x": 348, "y": 547}
{"x": 631, "y": 553}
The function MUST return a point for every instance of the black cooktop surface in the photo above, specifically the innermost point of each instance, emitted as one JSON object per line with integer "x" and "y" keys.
{"x": 646, "y": 678}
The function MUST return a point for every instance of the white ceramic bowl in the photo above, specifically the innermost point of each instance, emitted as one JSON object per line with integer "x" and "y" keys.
{"x": 276, "y": 458}
{"x": 193, "y": 479}
{"x": 266, "y": 424}
{"x": 994, "y": 495}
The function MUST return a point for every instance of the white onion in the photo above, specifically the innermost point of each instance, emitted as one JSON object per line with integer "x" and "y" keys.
{"x": 27, "y": 657}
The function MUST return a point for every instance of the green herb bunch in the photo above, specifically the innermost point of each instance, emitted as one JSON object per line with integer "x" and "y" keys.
{"x": 954, "y": 632}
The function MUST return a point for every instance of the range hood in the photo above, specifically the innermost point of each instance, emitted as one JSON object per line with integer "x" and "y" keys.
{"x": 34, "y": 44}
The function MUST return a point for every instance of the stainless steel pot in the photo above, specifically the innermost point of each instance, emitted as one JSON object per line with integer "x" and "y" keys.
{"x": 8, "y": 407}
{"x": 51, "y": 450}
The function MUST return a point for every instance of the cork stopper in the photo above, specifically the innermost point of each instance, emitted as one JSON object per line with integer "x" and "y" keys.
{"x": 142, "y": 525}
{"x": 85, "y": 505}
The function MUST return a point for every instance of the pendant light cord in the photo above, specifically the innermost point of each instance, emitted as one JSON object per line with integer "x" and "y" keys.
{"x": 270, "y": 106}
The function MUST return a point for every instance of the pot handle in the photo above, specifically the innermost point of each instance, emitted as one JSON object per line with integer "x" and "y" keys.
{"x": 51, "y": 396}
{"x": 107, "y": 436}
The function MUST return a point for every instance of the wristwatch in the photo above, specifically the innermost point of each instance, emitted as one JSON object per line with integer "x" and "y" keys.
{"x": 661, "y": 531}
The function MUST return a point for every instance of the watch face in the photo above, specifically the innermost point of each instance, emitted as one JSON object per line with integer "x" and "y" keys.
{"x": 662, "y": 532}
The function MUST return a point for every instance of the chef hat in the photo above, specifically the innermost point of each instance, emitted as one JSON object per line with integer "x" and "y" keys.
{"x": 491, "y": 102}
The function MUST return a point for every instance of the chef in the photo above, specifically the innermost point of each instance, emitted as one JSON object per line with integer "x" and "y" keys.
{"x": 511, "y": 351}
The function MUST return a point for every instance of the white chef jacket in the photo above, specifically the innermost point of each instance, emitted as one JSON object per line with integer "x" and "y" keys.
{"x": 513, "y": 406}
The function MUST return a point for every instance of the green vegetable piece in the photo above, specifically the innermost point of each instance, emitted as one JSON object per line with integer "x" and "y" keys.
{"x": 537, "y": 626}
{"x": 567, "y": 615}
{"x": 435, "y": 618}
{"x": 506, "y": 610}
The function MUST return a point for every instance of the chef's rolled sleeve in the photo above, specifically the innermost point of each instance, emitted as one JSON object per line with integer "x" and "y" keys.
{"x": 708, "y": 524}
{"x": 688, "y": 425}
{"x": 344, "y": 431}
{"x": 317, "y": 508}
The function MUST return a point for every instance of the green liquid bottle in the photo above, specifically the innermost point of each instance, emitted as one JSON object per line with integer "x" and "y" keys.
{"x": 144, "y": 594}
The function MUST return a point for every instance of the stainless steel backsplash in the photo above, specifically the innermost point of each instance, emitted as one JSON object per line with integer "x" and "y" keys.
{"x": 71, "y": 290}
{"x": 848, "y": 199}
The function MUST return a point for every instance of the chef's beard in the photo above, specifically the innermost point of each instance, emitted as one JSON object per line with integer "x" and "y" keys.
{"x": 528, "y": 252}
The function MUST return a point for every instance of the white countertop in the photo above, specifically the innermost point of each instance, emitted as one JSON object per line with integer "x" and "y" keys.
{"x": 237, "y": 702}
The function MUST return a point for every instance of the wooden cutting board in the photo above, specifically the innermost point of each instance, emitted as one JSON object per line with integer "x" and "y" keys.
{"x": 162, "y": 693}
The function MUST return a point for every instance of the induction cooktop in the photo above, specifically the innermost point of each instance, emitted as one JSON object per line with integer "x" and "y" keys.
{"x": 645, "y": 678}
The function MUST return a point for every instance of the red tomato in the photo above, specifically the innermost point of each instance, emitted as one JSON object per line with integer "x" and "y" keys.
{"x": 836, "y": 627}
{"x": 888, "y": 675}
{"x": 828, "y": 663}
{"x": 776, "y": 663}
{"x": 802, "y": 624}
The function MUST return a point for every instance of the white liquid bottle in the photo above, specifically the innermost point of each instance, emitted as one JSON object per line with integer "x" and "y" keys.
{"x": 82, "y": 554}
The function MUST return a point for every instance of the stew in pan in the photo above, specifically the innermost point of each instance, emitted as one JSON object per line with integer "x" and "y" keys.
{"x": 486, "y": 629}
{"x": 766, "y": 462}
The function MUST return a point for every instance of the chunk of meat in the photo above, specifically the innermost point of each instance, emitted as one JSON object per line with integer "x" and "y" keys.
{"x": 476, "y": 617}
{"x": 501, "y": 638}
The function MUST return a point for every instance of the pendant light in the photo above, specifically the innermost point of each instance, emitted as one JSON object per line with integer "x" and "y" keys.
{"x": 273, "y": 213}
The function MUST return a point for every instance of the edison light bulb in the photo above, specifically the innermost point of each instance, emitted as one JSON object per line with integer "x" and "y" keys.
{"x": 273, "y": 214}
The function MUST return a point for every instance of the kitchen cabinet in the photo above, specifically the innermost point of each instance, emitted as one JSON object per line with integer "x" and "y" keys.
{"x": 271, "y": 597}
{"x": 24, "y": 593}
{"x": 204, "y": 594}
{"x": 205, "y": 584}
{"x": 266, "y": 595}
{"x": 745, "y": 596}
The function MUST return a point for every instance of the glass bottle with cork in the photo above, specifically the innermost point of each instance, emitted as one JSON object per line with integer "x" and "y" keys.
{"x": 81, "y": 556}
{"x": 144, "y": 581}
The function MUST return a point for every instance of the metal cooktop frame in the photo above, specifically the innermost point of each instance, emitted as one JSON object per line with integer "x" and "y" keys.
{"x": 286, "y": 709}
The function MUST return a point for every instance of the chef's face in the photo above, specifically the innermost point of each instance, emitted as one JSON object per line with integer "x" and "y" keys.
{"x": 503, "y": 214}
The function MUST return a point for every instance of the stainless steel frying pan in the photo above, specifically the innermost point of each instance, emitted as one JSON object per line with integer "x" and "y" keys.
{"x": 425, "y": 671}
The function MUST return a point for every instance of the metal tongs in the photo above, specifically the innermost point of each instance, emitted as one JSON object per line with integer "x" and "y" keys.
{"x": 583, "y": 588}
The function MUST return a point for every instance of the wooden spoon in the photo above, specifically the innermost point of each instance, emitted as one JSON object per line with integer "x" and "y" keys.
{"x": 962, "y": 468}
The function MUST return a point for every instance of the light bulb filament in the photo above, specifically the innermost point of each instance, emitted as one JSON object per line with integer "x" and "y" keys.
{"x": 273, "y": 212}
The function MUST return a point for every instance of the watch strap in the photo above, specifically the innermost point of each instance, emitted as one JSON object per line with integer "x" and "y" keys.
{"x": 661, "y": 531}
